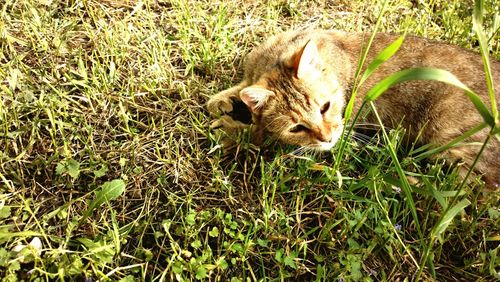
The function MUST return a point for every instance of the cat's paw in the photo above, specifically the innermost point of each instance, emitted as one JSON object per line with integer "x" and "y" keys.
{"x": 228, "y": 124}
{"x": 220, "y": 105}
{"x": 223, "y": 102}
{"x": 229, "y": 128}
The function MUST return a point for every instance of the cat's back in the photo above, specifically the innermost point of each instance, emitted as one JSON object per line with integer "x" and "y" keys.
{"x": 465, "y": 64}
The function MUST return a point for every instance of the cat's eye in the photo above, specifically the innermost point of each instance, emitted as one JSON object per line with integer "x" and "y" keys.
{"x": 324, "y": 108}
{"x": 298, "y": 128}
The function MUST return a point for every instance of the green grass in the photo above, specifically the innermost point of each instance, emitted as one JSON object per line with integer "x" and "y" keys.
{"x": 106, "y": 155}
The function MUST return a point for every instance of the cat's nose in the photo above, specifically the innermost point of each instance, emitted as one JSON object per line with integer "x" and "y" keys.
{"x": 325, "y": 138}
{"x": 322, "y": 135}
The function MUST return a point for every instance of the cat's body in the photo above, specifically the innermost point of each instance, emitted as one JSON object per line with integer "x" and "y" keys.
{"x": 297, "y": 84}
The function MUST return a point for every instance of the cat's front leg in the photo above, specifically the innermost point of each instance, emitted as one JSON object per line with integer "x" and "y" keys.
{"x": 232, "y": 115}
{"x": 231, "y": 129}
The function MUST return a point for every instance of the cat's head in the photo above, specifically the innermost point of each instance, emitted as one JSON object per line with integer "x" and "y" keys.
{"x": 298, "y": 101}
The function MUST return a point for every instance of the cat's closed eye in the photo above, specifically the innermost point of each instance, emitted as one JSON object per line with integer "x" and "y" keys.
{"x": 325, "y": 107}
{"x": 298, "y": 128}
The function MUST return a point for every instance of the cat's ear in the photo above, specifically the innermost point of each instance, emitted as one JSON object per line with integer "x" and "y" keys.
{"x": 307, "y": 62}
{"x": 255, "y": 97}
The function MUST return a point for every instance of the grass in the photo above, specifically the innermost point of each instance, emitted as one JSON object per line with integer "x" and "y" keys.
{"x": 107, "y": 160}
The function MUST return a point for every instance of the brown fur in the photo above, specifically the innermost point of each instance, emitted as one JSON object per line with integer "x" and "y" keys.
{"x": 293, "y": 76}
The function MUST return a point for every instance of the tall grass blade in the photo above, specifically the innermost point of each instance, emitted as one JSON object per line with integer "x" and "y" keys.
{"x": 350, "y": 104}
{"x": 430, "y": 74}
{"x": 437, "y": 230}
{"x": 382, "y": 57}
{"x": 405, "y": 185}
{"x": 477, "y": 23}
{"x": 361, "y": 62}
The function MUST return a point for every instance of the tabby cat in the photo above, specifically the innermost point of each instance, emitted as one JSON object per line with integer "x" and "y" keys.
{"x": 296, "y": 85}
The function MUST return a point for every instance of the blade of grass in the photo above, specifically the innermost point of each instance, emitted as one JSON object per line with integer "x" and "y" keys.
{"x": 361, "y": 62}
{"x": 442, "y": 225}
{"x": 382, "y": 57}
{"x": 417, "y": 74}
{"x": 404, "y": 181}
{"x": 430, "y": 74}
{"x": 452, "y": 204}
{"x": 436, "y": 232}
{"x": 386, "y": 214}
{"x": 477, "y": 24}
{"x": 350, "y": 104}
{"x": 454, "y": 142}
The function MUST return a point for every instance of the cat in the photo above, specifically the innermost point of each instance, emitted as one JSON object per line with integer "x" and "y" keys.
{"x": 296, "y": 85}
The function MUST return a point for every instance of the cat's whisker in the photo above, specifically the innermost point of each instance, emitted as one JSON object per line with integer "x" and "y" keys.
{"x": 367, "y": 123}
{"x": 316, "y": 153}
{"x": 368, "y": 126}
{"x": 281, "y": 132}
{"x": 275, "y": 120}
{"x": 365, "y": 127}
{"x": 298, "y": 153}
{"x": 368, "y": 140}
{"x": 360, "y": 137}
{"x": 314, "y": 148}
